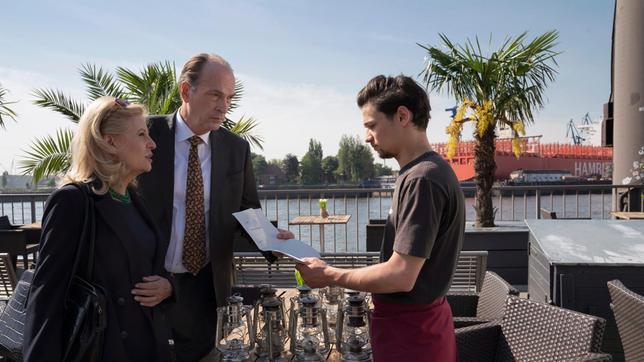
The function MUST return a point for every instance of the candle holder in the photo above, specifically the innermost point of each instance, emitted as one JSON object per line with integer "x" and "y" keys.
{"x": 235, "y": 335}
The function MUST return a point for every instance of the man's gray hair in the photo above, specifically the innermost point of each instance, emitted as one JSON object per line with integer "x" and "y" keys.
{"x": 193, "y": 67}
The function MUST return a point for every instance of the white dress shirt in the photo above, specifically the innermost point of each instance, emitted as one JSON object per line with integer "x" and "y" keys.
{"x": 174, "y": 256}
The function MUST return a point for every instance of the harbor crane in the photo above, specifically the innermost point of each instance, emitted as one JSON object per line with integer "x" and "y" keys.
{"x": 573, "y": 133}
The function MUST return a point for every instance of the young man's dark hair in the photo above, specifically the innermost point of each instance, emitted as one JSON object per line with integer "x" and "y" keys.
{"x": 389, "y": 93}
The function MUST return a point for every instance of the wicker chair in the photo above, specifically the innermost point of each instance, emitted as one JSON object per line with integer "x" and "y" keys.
{"x": 628, "y": 309}
{"x": 488, "y": 305}
{"x": 12, "y": 320}
{"x": 8, "y": 279}
{"x": 531, "y": 331}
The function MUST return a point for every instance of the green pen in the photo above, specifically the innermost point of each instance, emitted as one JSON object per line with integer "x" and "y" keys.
{"x": 298, "y": 278}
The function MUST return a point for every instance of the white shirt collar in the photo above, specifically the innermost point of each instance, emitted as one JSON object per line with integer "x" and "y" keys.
{"x": 183, "y": 132}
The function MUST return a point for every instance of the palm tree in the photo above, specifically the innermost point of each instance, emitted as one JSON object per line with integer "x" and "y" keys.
{"x": 155, "y": 87}
{"x": 499, "y": 89}
{"x": 5, "y": 110}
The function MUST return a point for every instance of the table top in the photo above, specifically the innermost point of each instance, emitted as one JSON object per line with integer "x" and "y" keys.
{"x": 628, "y": 215}
{"x": 319, "y": 220}
{"x": 597, "y": 242}
{"x": 32, "y": 226}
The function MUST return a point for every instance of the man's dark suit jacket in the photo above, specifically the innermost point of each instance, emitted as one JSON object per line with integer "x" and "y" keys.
{"x": 130, "y": 333}
{"x": 232, "y": 189}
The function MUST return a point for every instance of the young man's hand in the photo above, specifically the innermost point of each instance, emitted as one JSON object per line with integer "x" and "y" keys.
{"x": 315, "y": 272}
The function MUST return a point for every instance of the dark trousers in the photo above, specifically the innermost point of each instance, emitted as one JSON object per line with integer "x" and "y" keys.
{"x": 193, "y": 318}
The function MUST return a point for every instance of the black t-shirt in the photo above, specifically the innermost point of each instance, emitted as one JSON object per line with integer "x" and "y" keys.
{"x": 427, "y": 220}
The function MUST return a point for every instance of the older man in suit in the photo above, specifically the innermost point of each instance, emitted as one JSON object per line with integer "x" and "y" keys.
{"x": 201, "y": 174}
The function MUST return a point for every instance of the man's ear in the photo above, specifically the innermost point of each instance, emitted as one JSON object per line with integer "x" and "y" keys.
{"x": 404, "y": 115}
{"x": 184, "y": 91}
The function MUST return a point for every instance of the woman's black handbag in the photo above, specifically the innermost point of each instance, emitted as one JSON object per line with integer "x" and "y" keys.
{"x": 85, "y": 305}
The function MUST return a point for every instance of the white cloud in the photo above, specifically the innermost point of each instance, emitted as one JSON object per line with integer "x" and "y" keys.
{"x": 292, "y": 113}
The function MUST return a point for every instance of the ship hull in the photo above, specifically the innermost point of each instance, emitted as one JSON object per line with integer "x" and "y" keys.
{"x": 579, "y": 160}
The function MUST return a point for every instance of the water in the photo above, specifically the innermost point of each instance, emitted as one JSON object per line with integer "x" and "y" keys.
{"x": 351, "y": 237}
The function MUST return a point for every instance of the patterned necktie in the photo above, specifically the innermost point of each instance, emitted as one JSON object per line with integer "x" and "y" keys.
{"x": 194, "y": 240}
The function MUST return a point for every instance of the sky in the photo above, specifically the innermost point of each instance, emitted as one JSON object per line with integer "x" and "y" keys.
{"x": 301, "y": 62}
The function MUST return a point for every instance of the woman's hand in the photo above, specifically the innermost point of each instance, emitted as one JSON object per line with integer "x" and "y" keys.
{"x": 152, "y": 291}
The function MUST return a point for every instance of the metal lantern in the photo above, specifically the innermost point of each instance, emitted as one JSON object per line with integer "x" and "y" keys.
{"x": 235, "y": 334}
{"x": 332, "y": 302}
{"x": 296, "y": 304}
{"x": 309, "y": 330}
{"x": 271, "y": 335}
{"x": 352, "y": 335}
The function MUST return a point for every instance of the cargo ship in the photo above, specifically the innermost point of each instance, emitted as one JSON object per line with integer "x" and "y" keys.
{"x": 582, "y": 161}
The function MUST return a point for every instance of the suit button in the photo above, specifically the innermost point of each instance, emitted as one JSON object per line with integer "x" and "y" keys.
{"x": 120, "y": 301}
{"x": 123, "y": 334}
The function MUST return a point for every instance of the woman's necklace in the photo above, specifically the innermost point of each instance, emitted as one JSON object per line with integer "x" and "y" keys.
{"x": 124, "y": 198}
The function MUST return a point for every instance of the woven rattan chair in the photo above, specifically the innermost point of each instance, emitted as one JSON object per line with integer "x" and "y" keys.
{"x": 7, "y": 279}
{"x": 488, "y": 305}
{"x": 12, "y": 320}
{"x": 628, "y": 309}
{"x": 531, "y": 331}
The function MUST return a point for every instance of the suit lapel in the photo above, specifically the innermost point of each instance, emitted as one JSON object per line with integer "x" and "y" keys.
{"x": 219, "y": 162}
{"x": 159, "y": 255}
{"x": 163, "y": 172}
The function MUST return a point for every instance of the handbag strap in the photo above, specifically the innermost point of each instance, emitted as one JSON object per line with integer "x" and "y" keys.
{"x": 87, "y": 236}
{"x": 88, "y": 231}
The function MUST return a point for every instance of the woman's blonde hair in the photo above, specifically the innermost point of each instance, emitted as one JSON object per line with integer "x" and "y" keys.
{"x": 93, "y": 159}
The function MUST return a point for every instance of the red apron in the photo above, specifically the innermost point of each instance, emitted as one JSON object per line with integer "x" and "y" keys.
{"x": 412, "y": 332}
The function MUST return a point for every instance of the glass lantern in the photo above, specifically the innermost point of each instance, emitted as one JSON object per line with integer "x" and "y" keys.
{"x": 271, "y": 335}
{"x": 332, "y": 301}
{"x": 309, "y": 331}
{"x": 235, "y": 335}
{"x": 352, "y": 334}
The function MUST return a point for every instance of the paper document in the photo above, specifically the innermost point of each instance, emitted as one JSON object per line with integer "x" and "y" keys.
{"x": 264, "y": 234}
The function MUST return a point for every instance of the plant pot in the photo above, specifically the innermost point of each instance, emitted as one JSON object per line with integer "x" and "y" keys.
{"x": 323, "y": 212}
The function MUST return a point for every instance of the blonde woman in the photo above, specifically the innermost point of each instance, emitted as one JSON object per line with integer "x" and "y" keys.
{"x": 110, "y": 149}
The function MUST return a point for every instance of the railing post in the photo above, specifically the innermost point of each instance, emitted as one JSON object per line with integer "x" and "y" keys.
{"x": 33, "y": 209}
{"x": 537, "y": 203}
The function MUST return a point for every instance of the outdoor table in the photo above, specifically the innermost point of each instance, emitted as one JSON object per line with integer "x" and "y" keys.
{"x": 319, "y": 220}
{"x": 18, "y": 241}
{"x": 570, "y": 262}
{"x": 32, "y": 232}
{"x": 628, "y": 215}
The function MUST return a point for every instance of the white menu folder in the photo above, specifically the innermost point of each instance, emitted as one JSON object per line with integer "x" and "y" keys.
{"x": 264, "y": 234}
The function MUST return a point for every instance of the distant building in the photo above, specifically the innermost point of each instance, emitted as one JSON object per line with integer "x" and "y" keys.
{"x": 24, "y": 183}
{"x": 272, "y": 177}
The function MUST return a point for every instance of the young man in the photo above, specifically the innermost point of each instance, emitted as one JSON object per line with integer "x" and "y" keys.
{"x": 411, "y": 321}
